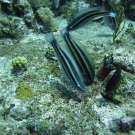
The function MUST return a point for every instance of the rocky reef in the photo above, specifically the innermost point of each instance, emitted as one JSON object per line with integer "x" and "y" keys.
{"x": 36, "y": 98}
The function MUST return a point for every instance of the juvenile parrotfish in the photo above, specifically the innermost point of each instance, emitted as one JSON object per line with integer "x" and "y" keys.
{"x": 68, "y": 64}
{"x": 81, "y": 56}
{"x": 56, "y": 3}
{"x": 107, "y": 67}
{"x": 104, "y": 72}
{"x": 84, "y": 16}
{"x": 111, "y": 22}
{"x": 115, "y": 81}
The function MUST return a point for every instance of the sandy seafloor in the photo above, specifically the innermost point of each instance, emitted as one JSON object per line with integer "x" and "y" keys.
{"x": 56, "y": 107}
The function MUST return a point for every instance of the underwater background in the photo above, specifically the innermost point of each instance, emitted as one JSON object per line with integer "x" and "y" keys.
{"x": 35, "y": 96}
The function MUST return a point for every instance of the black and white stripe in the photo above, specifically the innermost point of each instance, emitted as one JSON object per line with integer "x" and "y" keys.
{"x": 68, "y": 64}
{"x": 112, "y": 22}
{"x": 81, "y": 56}
{"x": 84, "y": 16}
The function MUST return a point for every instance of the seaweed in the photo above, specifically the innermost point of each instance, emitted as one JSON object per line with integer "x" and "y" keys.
{"x": 120, "y": 17}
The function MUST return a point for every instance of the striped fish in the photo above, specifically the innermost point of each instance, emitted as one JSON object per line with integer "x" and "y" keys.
{"x": 68, "y": 64}
{"x": 81, "y": 56}
{"x": 111, "y": 22}
{"x": 84, "y": 16}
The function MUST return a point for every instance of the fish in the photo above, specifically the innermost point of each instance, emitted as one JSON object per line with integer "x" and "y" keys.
{"x": 104, "y": 73}
{"x": 107, "y": 67}
{"x": 69, "y": 67}
{"x": 56, "y": 3}
{"x": 81, "y": 56}
{"x": 82, "y": 17}
{"x": 115, "y": 81}
{"x": 111, "y": 22}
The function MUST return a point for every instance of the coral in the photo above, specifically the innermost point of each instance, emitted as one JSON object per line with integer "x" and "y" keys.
{"x": 4, "y": 26}
{"x": 35, "y": 4}
{"x": 21, "y": 7}
{"x": 131, "y": 11}
{"x": 45, "y": 17}
{"x": 29, "y": 19}
{"x": 17, "y": 27}
{"x": 23, "y": 91}
{"x": 68, "y": 9}
{"x": 129, "y": 6}
{"x": 82, "y": 5}
{"x": 12, "y": 27}
{"x": 19, "y": 62}
{"x": 49, "y": 54}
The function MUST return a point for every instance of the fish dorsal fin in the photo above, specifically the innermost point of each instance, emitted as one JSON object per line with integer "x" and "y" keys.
{"x": 84, "y": 12}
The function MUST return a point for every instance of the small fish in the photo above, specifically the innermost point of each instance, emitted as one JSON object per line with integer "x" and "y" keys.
{"x": 68, "y": 64}
{"x": 81, "y": 56}
{"x": 104, "y": 73}
{"x": 111, "y": 22}
{"x": 56, "y": 3}
{"x": 84, "y": 16}
{"x": 115, "y": 80}
{"x": 107, "y": 67}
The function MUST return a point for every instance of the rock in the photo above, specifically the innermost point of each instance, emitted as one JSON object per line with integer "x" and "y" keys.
{"x": 12, "y": 27}
{"x": 35, "y": 4}
{"x": 19, "y": 113}
{"x": 46, "y": 18}
{"x": 6, "y": 6}
{"x": 126, "y": 124}
{"x": 29, "y": 19}
{"x": 21, "y": 7}
{"x": 131, "y": 11}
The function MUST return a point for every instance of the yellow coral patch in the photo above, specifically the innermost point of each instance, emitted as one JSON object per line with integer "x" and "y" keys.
{"x": 23, "y": 91}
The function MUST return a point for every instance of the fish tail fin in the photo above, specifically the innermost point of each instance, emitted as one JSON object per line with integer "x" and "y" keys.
{"x": 50, "y": 37}
{"x": 56, "y": 3}
{"x": 112, "y": 14}
{"x": 81, "y": 88}
{"x": 64, "y": 31}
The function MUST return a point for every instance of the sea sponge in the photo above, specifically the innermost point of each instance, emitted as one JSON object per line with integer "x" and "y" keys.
{"x": 19, "y": 62}
{"x": 23, "y": 91}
